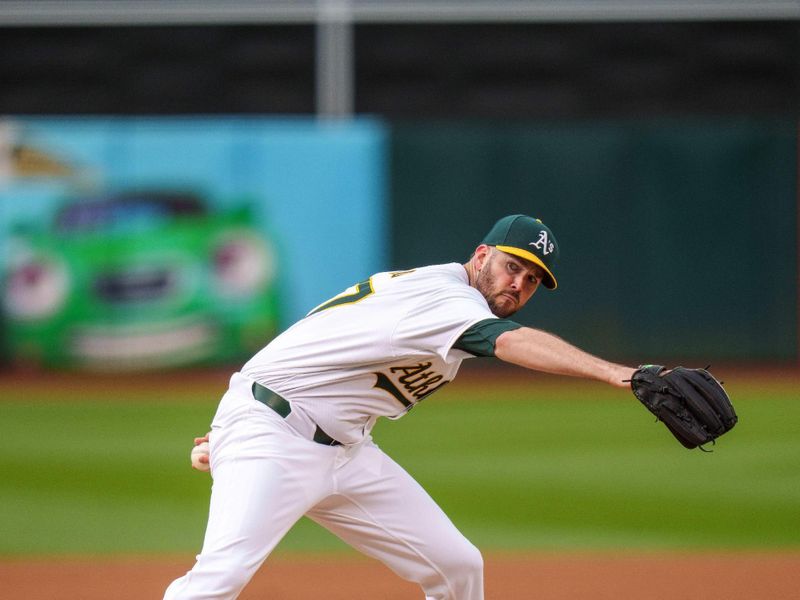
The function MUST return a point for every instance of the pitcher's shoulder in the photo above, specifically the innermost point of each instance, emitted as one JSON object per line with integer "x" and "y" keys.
{"x": 450, "y": 271}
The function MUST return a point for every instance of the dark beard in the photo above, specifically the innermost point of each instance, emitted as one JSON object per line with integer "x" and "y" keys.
{"x": 484, "y": 282}
{"x": 496, "y": 311}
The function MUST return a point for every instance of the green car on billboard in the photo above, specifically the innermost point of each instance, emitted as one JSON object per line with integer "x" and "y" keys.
{"x": 139, "y": 280}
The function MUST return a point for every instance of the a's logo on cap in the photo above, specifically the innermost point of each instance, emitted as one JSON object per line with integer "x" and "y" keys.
{"x": 543, "y": 243}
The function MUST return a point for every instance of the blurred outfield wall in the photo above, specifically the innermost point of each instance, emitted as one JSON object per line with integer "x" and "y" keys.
{"x": 678, "y": 236}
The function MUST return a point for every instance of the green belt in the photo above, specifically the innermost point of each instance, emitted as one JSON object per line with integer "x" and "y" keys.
{"x": 283, "y": 408}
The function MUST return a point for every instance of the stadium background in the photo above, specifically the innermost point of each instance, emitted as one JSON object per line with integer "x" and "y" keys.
{"x": 659, "y": 140}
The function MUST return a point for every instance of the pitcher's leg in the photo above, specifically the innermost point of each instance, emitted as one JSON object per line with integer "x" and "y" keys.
{"x": 265, "y": 478}
{"x": 245, "y": 524}
{"x": 380, "y": 510}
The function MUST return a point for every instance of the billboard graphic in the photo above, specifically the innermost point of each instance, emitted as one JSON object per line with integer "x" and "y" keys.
{"x": 148, "y": 243}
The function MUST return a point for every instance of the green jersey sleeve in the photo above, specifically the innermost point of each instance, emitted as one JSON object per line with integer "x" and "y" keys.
{"x": 480, "y": 338}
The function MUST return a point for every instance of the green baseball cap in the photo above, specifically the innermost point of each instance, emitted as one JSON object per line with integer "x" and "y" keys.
{"x": 527, "y": 238}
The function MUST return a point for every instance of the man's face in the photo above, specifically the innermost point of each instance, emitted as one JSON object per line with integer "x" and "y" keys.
{"x": 506, "y": 281}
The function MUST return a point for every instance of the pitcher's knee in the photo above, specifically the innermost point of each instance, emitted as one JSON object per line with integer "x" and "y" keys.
{"x": 465, "y": 565}
{"x": 459, "y": 575}
{"x": 209, "y": 579}
{"x": 229, "y": 583}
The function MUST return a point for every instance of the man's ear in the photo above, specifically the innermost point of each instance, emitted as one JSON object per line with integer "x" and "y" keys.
{"x": 480, "y": 255}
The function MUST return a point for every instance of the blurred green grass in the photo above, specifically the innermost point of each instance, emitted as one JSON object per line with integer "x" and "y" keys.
{"x": 562, "y": 467}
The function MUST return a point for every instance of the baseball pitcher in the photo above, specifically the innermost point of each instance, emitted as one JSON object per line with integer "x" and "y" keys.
{"x": 291, "y": 436}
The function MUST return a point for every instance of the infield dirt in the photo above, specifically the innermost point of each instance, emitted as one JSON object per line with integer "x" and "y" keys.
{"x": 512, "y": 577}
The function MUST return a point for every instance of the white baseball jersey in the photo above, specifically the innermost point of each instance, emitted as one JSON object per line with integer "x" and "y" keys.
{"x": 374, "y": 350}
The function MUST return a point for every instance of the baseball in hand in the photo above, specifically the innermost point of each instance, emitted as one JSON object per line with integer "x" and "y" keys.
{"x": 199, "y": 457}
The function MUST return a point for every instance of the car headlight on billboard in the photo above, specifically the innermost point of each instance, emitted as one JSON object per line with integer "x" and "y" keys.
{"x": 36, "y": 288}
{"x": 243, "y": 264}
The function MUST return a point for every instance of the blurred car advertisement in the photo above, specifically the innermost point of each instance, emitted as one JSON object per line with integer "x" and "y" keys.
{"x": 139, "y": 279}
{"x": 139, "y": 246}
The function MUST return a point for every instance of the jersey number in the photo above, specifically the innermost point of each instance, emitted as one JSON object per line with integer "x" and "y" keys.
{"x": 362, "y": 290}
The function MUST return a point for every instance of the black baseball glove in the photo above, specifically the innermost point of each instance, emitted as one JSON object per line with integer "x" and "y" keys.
{"x": 690, "y": 402}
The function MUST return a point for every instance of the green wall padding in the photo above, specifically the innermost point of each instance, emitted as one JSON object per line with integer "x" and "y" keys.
{"x": 678, "y": 237}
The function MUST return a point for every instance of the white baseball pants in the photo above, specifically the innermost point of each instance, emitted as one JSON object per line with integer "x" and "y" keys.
{"x": 267, "y": 476}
